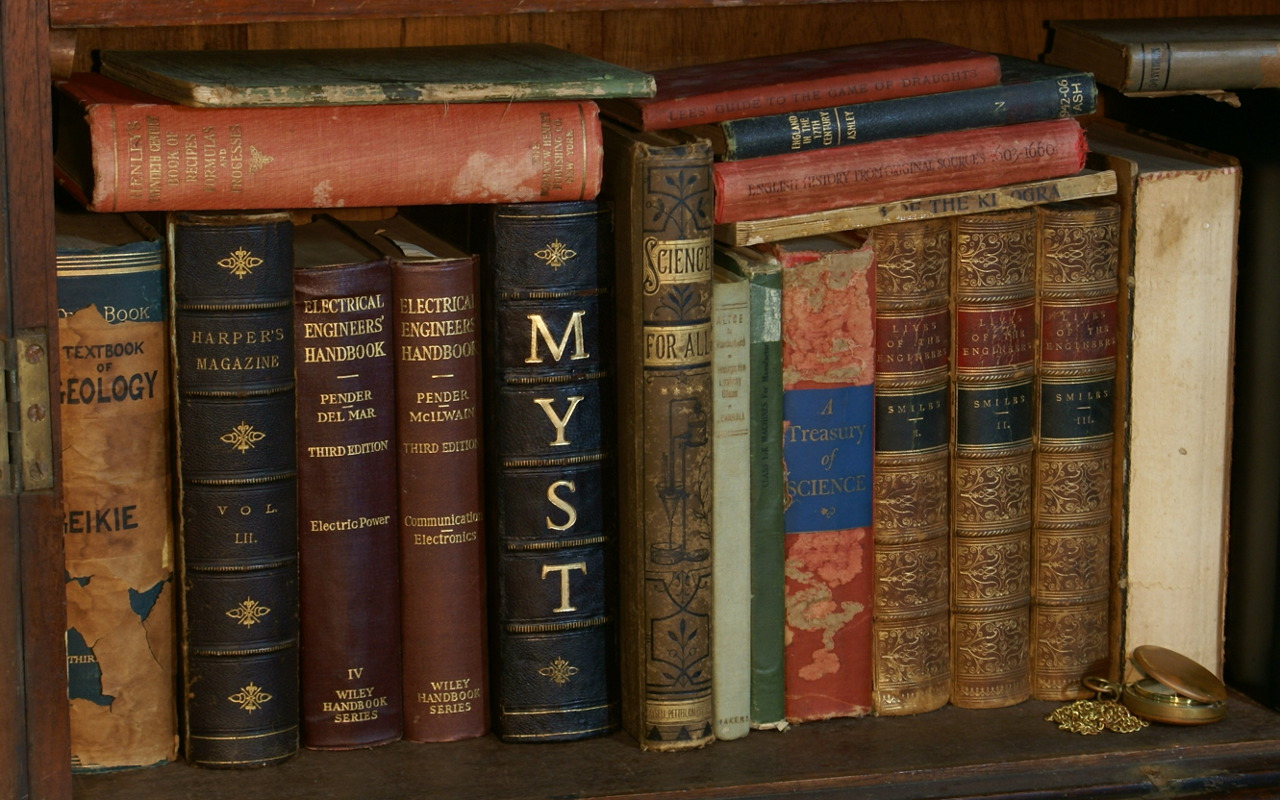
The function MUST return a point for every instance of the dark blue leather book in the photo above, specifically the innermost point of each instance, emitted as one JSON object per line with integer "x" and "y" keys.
{"x": 1028, "y": 92}
{"x": 232, "y": 298}
{"x": 549, "y": 496}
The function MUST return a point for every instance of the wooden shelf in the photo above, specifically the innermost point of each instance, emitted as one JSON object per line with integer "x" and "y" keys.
{"x": 949, "y": 753}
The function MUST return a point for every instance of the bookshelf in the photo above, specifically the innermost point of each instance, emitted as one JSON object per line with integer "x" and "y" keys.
{"x": 949, "y": 753}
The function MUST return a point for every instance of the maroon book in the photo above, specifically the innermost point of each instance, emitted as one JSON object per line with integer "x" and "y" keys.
{"x": 751, "y": 87}
{"x": 349, "y": 559}
{"x": 439, "y": 458}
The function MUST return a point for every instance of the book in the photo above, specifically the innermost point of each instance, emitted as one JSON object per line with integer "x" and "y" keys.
{"x": 1174, "y": 388}
{"x": 1169, "y": 54}
{"x": 1076, "y": 295}
{"x": 436, "y": 340}
{"x": 661, "y": 191}
{"x": 911, "y": 616}
{"x": 893, "y": 169}
{"x": 458, "y": 73}
{"x": 549, "y": 470}
{"x": 768, "y": 593}
{"x": 1028, "y": 91}
{"x": 348, "y": 535}
{"x": 828, "y": 368}
{"x": 231, "y": 296}
{"x": 1085, "y": 183}
{"x": 117, "y": 524}
{"x": 749, "y": 87}
{"x": 1250, "y": 654}
{"x": 993, "y": 362}
{"x": 123, "y": 150}
{"x": 731, "y": 512}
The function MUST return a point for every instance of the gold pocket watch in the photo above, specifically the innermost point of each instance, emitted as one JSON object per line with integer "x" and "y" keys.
{"x": 1174, "y": 690}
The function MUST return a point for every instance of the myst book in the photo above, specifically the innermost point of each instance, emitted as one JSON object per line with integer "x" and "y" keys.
{"x": 463, "y": 73}
{"x": 777, "y": 84}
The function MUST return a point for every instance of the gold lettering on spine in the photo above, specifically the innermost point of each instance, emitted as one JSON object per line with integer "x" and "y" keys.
{"x": 538, "y": 329}
{"x": 564, "y": 569}
{"x": 677, "y": 346}
{"x": 559, "y": 422}
{"x": 562, "y": 504}
{"x": 668, "y": 261}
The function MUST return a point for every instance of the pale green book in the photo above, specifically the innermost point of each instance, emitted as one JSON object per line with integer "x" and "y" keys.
{"x": 479, "y": 73}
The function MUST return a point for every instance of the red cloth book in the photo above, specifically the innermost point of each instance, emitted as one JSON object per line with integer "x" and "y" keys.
{"x": 820, "y": 180}
{"x": 118, "y": 149}
{"x": 828, "y": 363}
{"x": 751, "y": 87}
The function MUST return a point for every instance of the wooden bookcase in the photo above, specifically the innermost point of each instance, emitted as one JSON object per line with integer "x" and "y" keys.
{"x": 949, "y": 753}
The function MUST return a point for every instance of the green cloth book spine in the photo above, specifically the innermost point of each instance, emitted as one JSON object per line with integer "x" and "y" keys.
{"x": 767, "y": 594}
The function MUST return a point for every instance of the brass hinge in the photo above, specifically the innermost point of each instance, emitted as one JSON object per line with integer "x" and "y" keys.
{"x": 27, "y": 462}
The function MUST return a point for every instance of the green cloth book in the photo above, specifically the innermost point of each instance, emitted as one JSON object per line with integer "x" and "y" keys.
{"x": 477, "y": 73}
{"x": 764, "y": 274}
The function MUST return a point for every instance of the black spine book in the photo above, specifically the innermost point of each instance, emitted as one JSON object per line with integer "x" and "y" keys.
{"x": 550, "y": 505}
{"x": 232, "y": 298}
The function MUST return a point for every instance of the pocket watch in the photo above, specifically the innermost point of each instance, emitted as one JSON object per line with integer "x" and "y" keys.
{"x": 1174, "y": 690}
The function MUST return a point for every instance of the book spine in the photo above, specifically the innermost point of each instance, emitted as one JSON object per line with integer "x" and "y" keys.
{"x": 828, "y": 363}
{"x": 664, "y": 253}
{"x": 348, "y": 543}
{"x": 232, "y": 294}
{"x": 114, "y": 406}
{"x": 991, "y": 490}
{"x": 1172, "y": 66}
{"x": 911, "y": 617}
{"x": 731, "y": 512}
{"x": 953, "y": 161}
{"x": 1079, "y": 246}
{"x": 857, "y": 123}
{"x": 436, "y": 339}
{"x": 768, "y": 698}
{"x": 549, "y": 472}
{"x": 814, "y": 91}
{"x": 303, "y": 156}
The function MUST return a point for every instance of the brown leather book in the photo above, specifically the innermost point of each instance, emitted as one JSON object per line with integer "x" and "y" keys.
{"x": 1078, "y": 260}
{"x": 911, "y": 478}
{"x": 662, "y": 195}
{"x": 348, "y": 537}
{"x": 994, "y": 358}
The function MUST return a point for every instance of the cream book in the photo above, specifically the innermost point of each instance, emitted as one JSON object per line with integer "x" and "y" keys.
{"x": 1179, "y": 209}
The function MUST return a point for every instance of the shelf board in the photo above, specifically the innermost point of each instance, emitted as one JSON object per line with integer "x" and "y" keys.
{"x": 143, "y": 13}
{"x": 949, "y": 753}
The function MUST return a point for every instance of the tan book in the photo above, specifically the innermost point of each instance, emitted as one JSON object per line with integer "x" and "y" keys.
{"x": 910, "y": 615}
{"x": 1179, "y": 207}
{"x": 1087, "y": 183}
{"x": 1077, "y": 258}
{"x": 993, "y": 291}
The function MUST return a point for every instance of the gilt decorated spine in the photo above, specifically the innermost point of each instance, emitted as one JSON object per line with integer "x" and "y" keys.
{"x": 1079, "y": 245}
{"x": 549, "y": 471}
{"x": 911, "y": 614}
{"x": 232, "y": 298}
{"x": 662, "y": 193}
{"x": 437, "y": 341}
{"x": 991, "y": 490}
{"x": 348, "y": 536}
{"x": 118, "y": 526}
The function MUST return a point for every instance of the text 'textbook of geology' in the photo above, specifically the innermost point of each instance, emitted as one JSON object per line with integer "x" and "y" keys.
{"x": 119, "y": 149}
